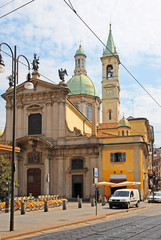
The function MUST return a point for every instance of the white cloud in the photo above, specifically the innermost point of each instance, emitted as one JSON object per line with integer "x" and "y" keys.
{"x": 53, "y": 31}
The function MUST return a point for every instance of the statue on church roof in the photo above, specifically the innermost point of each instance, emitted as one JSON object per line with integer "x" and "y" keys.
{"x": 10, "y": 79}
{"x": 62, "y": 73}
{"x": 35, "y": 63}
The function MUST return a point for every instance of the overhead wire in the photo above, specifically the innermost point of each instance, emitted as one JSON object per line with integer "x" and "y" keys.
{"x": 77, "y": 96}
{"x": 7, "y": 4}
{"x": 16, "y": 9}
{"x": 27, "y": 66}
{"x": 71, "y": 7}
{"x": 55, "y": 83}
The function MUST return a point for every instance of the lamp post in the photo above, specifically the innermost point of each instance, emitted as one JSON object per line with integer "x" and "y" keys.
{"x": 28, "y": 85}
{"x": 153, "y": 169}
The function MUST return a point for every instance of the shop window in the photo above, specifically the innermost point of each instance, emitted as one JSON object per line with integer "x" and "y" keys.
{"x": 118, "y": 157}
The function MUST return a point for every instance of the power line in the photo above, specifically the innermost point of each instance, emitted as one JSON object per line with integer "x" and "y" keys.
{"x": 71, "y": 7}
{"x": 77, "y": 96}
{"x": 55, "y": 83}
{"x": 27, "y": 67}
{"x": 17, "y": 8}
{"x": 7, "y": 4}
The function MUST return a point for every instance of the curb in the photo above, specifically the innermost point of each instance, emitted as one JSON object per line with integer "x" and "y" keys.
{"x": 101, "y": 216}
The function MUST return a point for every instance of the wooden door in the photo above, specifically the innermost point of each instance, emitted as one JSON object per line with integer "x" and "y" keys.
{"x": 34, "y": 181}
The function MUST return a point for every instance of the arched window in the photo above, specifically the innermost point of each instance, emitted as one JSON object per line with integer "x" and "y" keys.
{"x": 82, "y": 63}
{"x": 77, "y": 164}
{"x": 110, "y": 114}
{"x": 79, "y": 63}
{"x": 89, "y": 113}
{"x": 122, "y": 132}
{"x": 34, "y": 124}
{"x": 109, "y": 71}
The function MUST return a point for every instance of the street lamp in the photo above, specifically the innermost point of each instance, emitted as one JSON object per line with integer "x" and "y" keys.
{"x": 153, "y": 169}
{"x": 28, "y": 85}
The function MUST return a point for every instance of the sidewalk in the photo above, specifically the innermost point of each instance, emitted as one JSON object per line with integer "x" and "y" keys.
{"x": 36, "y": 221}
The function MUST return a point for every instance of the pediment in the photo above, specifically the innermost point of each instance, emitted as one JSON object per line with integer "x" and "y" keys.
{"x": 34, "y": 107}
{"x": 40, "y": 86}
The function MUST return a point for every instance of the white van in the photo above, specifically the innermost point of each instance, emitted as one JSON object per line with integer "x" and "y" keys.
{"x": 124, "y": 198}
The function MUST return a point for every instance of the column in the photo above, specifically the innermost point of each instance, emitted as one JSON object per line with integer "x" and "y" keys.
{"x": 9, "y": 122}
{"x": 49, "y": 120}
{"x": 46, "y": 176}
{"x": 55, "y": 122}
{"x": 62, "y": 115}
{"x": 60, "y": 177}
{"x": 19, "y": 127}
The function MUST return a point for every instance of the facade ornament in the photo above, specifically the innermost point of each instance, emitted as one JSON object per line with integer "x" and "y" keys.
{"x": 35, "y": 63}
{"x": 34, "y": 157}
{"x": 62, "y": 73}
{"x": 10, "y": 81}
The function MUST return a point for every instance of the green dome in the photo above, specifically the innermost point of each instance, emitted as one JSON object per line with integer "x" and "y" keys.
{"x": 124, "y": 123}
{"x": 81, "y": 84}
{"x": 80, "y": 51}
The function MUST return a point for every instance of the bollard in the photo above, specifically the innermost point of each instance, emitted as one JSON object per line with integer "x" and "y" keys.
{"x": 7, "y": 205}
{"x": 80, "y": 203}
{"x": 103, "y": 201}
{"x": 92, "y": 202}
{"x": 45, "y": 206}
{"x": 64, "y": 205}
{"x": 23, "y": 208}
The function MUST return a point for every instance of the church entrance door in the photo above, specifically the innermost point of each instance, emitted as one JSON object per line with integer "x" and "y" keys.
{"x": 34, "y": 181}
{"x": 77, "y": 186}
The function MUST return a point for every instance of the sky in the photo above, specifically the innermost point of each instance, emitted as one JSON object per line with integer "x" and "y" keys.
{"x": 54, "y": 32}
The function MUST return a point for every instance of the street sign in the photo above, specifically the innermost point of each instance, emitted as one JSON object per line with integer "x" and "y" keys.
{"x": 95, "y": 175}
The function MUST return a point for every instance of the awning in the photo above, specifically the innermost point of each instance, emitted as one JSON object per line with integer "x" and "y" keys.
{"x": 7, "y": 148}
{"x": 126, "y": 183}
{"x": 103, "y": 184}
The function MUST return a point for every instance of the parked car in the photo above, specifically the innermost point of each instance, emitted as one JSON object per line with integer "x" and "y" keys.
{"x": 124, "y": 198}
{"x": 157, "y": 197}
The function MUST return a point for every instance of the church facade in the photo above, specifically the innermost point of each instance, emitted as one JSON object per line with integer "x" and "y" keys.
{"x": 61, "y": 138}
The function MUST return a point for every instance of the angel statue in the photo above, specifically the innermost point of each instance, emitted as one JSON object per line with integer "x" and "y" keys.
{"x": 35, "y": 63}
{"x": 62, "y": 73}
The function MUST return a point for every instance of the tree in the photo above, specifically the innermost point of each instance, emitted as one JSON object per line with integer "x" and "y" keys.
{"x": 5, "y": 176}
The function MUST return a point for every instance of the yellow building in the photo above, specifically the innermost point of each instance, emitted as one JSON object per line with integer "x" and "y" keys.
{"x": 125, "y": 153}
{"x": 125, "y": 142}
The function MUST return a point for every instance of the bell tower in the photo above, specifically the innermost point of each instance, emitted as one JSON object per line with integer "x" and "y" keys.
{"x": 110, "y": 82}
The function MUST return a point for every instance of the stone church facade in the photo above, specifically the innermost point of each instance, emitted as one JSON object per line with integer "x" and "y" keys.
{"x": 54, "y": 159}
{"x": 61, "y": 138}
